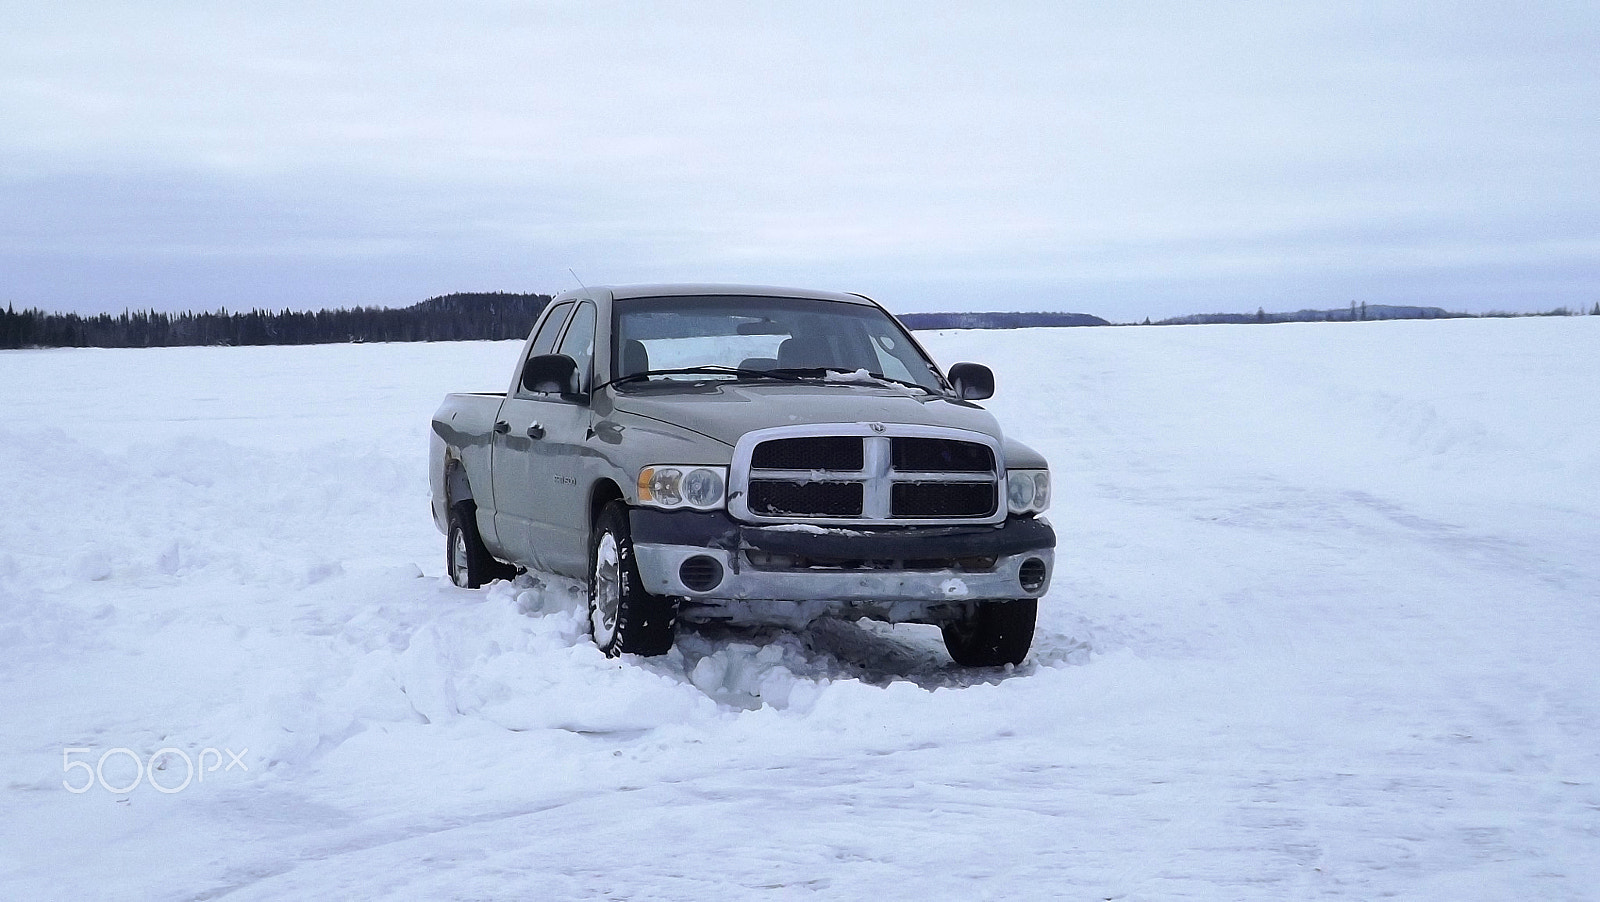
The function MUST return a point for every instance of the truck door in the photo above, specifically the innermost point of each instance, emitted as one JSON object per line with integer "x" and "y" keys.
{"x": 508, "y": 466}
{"x": 545, "y": 436}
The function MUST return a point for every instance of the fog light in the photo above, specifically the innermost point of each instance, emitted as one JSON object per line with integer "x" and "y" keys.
{"x": 1032, "y": 575}
{"x": 700, "y": 573}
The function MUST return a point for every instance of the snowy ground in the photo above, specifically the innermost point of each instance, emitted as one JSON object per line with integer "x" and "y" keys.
{"x": 1324, "y": 625}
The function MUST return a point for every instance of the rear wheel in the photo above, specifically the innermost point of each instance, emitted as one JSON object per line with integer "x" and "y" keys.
{"x": 995, "y": 633}
{"x": 623, "y": 617}
{"x": 468, "y": 562}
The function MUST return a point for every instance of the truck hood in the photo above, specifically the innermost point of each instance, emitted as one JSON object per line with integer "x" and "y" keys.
{"x": 726, "y": 410}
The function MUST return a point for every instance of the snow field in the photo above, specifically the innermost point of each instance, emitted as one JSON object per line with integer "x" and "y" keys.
{"x": 1323, "y": 626}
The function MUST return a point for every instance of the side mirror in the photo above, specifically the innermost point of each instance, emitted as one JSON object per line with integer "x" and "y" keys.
{"x": 550, "y": 374}
{"x": 972, "y": 381}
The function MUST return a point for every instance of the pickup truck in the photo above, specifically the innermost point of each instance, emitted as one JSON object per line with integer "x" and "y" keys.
{"x": 746, "y": 454}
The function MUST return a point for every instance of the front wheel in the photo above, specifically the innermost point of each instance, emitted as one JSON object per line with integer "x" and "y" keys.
{"x": 993, "y": 634}
{"x": 623, "y": 617}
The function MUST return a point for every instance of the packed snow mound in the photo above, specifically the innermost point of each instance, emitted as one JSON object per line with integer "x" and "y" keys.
{"x": 1322, "y": 624}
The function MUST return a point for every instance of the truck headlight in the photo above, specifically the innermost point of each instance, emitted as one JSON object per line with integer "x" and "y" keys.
{"x": 1027, "y": 491}
{"x": 672, "y": 486}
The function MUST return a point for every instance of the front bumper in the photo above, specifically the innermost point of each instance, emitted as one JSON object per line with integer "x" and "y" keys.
{"x": 921, "y": 565}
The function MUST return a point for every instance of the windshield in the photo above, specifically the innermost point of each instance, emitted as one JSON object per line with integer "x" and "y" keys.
{"x": 754, "y": 335}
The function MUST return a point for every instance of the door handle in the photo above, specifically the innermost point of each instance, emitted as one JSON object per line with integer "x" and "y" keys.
{"x": 502, "y": 427}
{"x": 535, "y": 430}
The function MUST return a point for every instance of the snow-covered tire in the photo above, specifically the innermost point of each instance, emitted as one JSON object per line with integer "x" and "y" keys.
{"x": 623, "y": 617}
{"x": 468, "y": 562}
{"x": 996, "y": 633}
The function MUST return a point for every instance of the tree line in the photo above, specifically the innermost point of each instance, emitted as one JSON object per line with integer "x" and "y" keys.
{"x": 495, "y": 316}
{"x": 451, "y": 317}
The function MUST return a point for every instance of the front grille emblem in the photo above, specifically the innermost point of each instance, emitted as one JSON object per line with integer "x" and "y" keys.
{"x": 876, "y": 427}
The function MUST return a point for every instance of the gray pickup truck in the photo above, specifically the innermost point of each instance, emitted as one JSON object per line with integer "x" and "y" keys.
{"x": 766, "y": 455}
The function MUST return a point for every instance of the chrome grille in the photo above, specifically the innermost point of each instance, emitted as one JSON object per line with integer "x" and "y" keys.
{"x": 865, "y": 473}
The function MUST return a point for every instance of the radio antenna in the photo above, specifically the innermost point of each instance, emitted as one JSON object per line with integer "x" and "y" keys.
{"x": 579, "y": 281}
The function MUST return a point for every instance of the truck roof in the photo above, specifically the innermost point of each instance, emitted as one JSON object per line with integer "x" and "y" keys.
{"x": 701, "y": 290}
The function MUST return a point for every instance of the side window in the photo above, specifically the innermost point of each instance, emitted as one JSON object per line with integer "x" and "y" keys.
{"x": 546, "y": 339}
{"x": 578, "y": 343}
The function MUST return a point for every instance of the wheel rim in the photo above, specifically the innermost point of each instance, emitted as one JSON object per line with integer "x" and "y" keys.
{"x": 458, "y": 557}
{"x": 605, "y": 598}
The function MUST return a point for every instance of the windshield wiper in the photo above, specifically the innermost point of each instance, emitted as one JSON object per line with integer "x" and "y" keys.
{"x": 709, "y": 370}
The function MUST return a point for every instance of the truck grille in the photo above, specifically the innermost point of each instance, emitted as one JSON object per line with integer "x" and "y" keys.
{"x": 874, "y": 477}
{"x": 782, "y": 498}
{"x": 943, "y": 499}
{"x": 821, "y": 452}
{"x": 934, "y": 455}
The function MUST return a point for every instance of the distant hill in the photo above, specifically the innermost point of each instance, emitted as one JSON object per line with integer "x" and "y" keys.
{"x": 924, "y": 321}
{"x": 479, "y": 315}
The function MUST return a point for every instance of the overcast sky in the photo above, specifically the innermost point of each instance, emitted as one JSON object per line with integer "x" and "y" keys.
{"x": 1126, "y": 159}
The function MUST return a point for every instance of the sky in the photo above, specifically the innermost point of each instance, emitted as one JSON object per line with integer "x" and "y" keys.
{"x": 1129, "y": 160}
